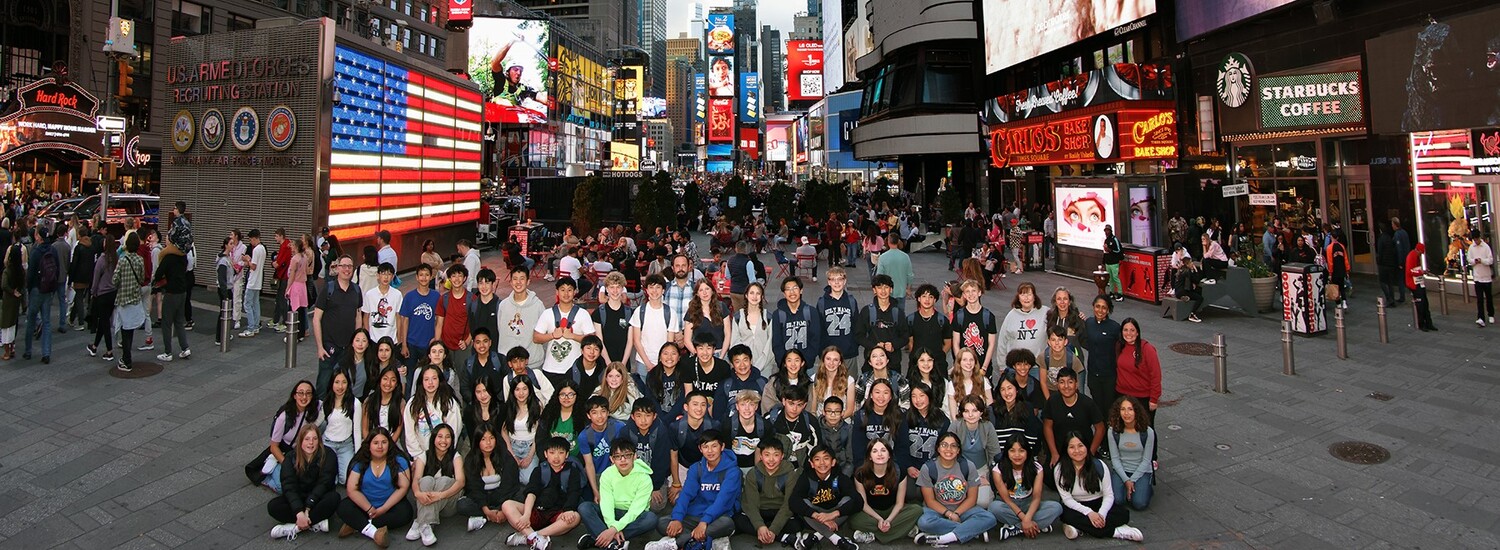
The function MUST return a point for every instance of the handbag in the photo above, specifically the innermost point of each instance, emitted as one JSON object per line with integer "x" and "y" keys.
{"x": 1332, "y": 292}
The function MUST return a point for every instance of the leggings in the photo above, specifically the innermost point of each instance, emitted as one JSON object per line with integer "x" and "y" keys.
{"x": 351, "y": 515}
{"x": 324, "y": 508}
{"x": 127, "y": 343}
{"x": 1118, "y": 515}
{"x": 174, "y": 320}
{"x": 103, "y": 311}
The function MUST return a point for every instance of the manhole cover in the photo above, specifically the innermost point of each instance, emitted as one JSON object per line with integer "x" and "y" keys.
{"x": 1192, "y": 348}
{"x": 139, "y": 369}
{"x": 1359, "y": 452}
{"x": 1221, "y": 447}
{"x": 1380, "y": 396}
{"x": 1173, "y": 427}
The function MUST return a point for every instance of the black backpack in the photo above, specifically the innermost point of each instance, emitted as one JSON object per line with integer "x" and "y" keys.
{"x": 48, "y": 269}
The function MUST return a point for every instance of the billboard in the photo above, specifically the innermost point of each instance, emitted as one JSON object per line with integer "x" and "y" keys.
{"x": 776, "y": 141}
{"x": 653, "y": 107}
{"x": 1126, "y": 134}
{"x": 1082, "y": 214}
{"x": 857, "y": 41}
{"x": 721, "y": 120}
{"x": 721, "y": 76}
{"x": 1305, "y": 100}
{"x": 718, "y": 166}
{"x": 1114, "y": 82}
{"x": 508, "y": 59}
{"x": 750, "y": 98}
{"x": 56, "y": 116}
{"x": 1196, "y": 19}
{"x": 460, "y": 14}
{"x": 624, "y": 156}
{"x": 629, "y": 90}
{"x": 750, "y": 143}
{"x": 833, "y": 45}
{"x": 700, "y": 109}
{"x": 718, "y": 34}
{"x": 1437, "y": 76}
{"x": 804, "y": 70}
{"x": 1018, "y": 30}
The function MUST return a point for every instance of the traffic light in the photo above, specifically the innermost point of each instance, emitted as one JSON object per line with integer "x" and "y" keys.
{"x": 126, "y": 80}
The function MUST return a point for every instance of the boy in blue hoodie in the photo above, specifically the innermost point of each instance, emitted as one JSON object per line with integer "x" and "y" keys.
{"x": 836, "y": 310}
{"x": 652, "y": 446}
{"x": 794, "y": 324}
{"x": 710, "y": 498}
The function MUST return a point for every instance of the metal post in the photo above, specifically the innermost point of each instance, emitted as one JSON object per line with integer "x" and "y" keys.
{"x": 226, "y": 324}
{"x": 1221, "y": 368}
{"x": 1416, "y": 320}
{"x": 1288, "y": 362}
{"x": 291, "y": 339}
{"x": 1443, "y": 291}
{"x": 1338, "y": 333}
{"x": 1385, "y": 334}
{"x": 1464, "y": 277}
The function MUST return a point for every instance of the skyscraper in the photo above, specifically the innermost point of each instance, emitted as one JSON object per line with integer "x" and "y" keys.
{"x": 607, "y": 24}
{"x": 682, "y": 64}
{"x": 772, "y": 70}
{"x": 653, "y": 32}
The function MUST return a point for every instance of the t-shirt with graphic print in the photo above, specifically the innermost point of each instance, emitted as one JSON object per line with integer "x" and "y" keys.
{"x": 949, "y": 485}
{"x": 561, "y": 353}
{"x": 974, "y": 330}
{"x": 382, "y": 309}
{"x": 420, "y": 312}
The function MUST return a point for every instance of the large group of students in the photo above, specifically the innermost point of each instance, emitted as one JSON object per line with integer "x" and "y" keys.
{"x": 668, "y": 415}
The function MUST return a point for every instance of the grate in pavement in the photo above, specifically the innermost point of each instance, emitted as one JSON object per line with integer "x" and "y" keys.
{"x": 1380, "y": 396}
{"x": 139, "y": 369}
{"x": 1192, "y": 348}
{"x": 1359, "y": 452}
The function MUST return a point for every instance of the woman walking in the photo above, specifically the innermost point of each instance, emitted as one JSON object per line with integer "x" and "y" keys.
{"x": 130, "y": 312}
{"x": 13, "y": 287}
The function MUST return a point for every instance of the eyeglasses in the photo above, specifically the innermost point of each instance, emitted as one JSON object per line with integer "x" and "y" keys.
{"x": 949, "y": 445}
{"x": 303, "y": 393}
{"x": 625, "y": 456}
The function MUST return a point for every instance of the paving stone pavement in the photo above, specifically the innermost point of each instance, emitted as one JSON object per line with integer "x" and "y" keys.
{"x": 90, "y": 461}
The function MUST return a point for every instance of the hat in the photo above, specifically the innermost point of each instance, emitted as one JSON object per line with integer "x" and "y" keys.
{"x": 1014, "y": 221}
{"x": 804, "y": 240}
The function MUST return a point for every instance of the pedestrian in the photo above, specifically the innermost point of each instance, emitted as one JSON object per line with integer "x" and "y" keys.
{"x": 237, "y": 251}
{"x": 63, "y": 247}
{"x": 386, "y": 254}
{"x": 1113, "y": 255}
{"x": 12, "y": 292}
{"x": 81, "y": 276}
{"x": 1416, "y": 282}
{"x": 172, "y": 282}
{"x": 1483, "y": 260}
{"x": 896, "y": 263}
{"x": 44, "y": 278}
{"x": 1338, "y": 270}
{"x": 367, "y": 275}
{"x": 1388, "y": 264}
{"x": 1403, "y": 251}
{"x": 224, "y": 274}
{"x": 335, "y": 317}
{"x": 253, "y": 267}
{"x": 307, "y": 499}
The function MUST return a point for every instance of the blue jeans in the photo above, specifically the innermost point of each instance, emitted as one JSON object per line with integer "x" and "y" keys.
{"x": 851, "y": 253}
{"x": 593, "y": 521}
{"x": 273, "y": 479}
{"x": 62, "y": 304}
{"x": 971, "y": 524}
{"x": 252, "y": 309}
{"x": 1046, "y": 513}
{"x": 345, "y": 451}
{"x": 327, "y": 366}
{"x": 1138, "y": 500}
{"x": 39, "y": 313}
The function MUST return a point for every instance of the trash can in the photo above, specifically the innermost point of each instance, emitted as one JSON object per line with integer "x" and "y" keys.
{"x": 1302, "y": 298}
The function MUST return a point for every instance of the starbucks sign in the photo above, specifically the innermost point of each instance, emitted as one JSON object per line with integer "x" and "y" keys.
{"x": 1235, "y": 80}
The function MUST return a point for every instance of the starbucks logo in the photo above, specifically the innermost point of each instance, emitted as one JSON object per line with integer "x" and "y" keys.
{"x": 212, "y": 132}
{"x": 182, "y": 131}
{"x": 1235, "y": 79}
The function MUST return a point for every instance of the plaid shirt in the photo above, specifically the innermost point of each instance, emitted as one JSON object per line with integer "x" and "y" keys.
{"x": 677, "y": 298}
{"x": 130, "y": 276}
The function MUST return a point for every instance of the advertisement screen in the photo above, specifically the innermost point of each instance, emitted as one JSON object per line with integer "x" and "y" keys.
{"x": 508, "y": 59}
{"x": 719, "y": 166}
{"x": 721, "y": 76}
{"x": 1437, "y": 76}
{"x": 459, "y": 12}
{"x": 1195, "y": 19}
{"x": 629, "y": 90}
{"x": 776, "y": 145}
{"x": 1141, "y": 207}
{"x": 719, "y": 34}
{"x": 750, "y": 98}
{"x": 720, "y": 150}
{"x": 857, "y": 41}
{"x": 750, "y": 143}
{"x": 624, "y": 156}
{"x": 833, "y": 45}
{"x": 1082, "y": 214}
{"x": 721, "y": 120}
{"x": 700, "y": 109}
{"x": 1018, "y": 30}
{"x": 1130, "y": 134}
{"x": 804, "y": 70}
{"x": 653, "y": 107}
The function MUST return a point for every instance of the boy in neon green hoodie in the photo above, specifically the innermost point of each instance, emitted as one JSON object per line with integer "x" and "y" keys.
{"x": 623, "y": 511}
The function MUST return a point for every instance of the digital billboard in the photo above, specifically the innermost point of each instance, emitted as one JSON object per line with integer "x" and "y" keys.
{"x": 508, "y": 59}
{"x": 1436, "y": 76}
{"x": 624, "y": 156}
{"x": 749, "y": 98}
{"x": 629, "y": 90}
{"x": 833, "y": 45}
{"x": 1198, "y": 18}
{"x": 776, "y": 141}
{"x": 804, "y": 70}
{"x": 719, "y": 34}
{"x": 1018, "y": 30}
{"x": 653, "y": 107}
{"x": 721, "y": 120}
{"x": 750, "y": 143}
{"x": 718, "y": 166}
{"x": 700, "y": 109}
{"x": 1082, "y": 214}
{"x": 721, "y": 76}
{"x": 1123, "y": 135}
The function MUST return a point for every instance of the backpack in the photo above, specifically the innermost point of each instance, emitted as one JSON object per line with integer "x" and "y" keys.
{"x": 896, "y": 313}
{"x": 546, "y": 472}
{"x": 760, "y": 480}
{"x": 666, "y": 314}
{"x": 682, "y": 427}
{"x": 930, "y": 469}
{"x": 48, "y": 269}
{"x": 557, "y": 314}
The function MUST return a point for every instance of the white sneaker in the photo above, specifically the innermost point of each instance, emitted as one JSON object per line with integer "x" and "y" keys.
{"x": 515, "y": 539}
{"x": 1070, "y": 531}
{"x": 664, "y": 543}
{"x": 542, "y": 542}
{"x": 1479, "y": 322}
{"x": 428, "y": 539}
{"x": 164, "y": 357}
{"x": 863, "y": 537}
{"x": 721, "y": 543}
{"x": 476, "y": 523}
{"x": 1492, "y": 320}
{"x": 415, "y": 532}
{"x": 320, "y": 527}
{"x": 284, "y": 531}
{"x": 1126, "y": 532}
{"x": 1209, "y": 282}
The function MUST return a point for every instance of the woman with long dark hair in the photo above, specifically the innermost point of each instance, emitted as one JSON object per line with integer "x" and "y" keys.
{"x": 368, "y": 275}
{"x": 793, "y": 372}
{"x": 1064, "y": 314}
{"x": 667, "y": 384}
{"x": 483, "y": 409}
{"x": 386, "y": 357}
{"x": 1101, "y": 335}
{"x": 1132, "y": 442}
{"x": 926, "y": 371}
{"x": 384, "y": 408}
{"x": 1137, "y": 368}
{"x": 1013, "y": 417}
{"x": 432, "y": 404}
{"x": 878, "y": 418}
{"x": 560, "y": 416}
{"x": 299, "y": 410}
{"x": 705, "y": 315}
{"x": 888, "y": 515}
{"x": 376, "y": 490}
{"x": 1088, "y": 496}
{"x": 878, "y": 362}
{"x": 1018, "y": 506}
{"x": 307, "y": 499}
{"x": 920, "y": 430}
{"x": 518, "y": 426}
{"x": 102, "y": 308}
{"x": 359, "y": 363}
{"x": 490, "y": 479}
{"x": 950, "y": 488}
{"x": 440, "y": 481}
{"x": 341, "y": 421}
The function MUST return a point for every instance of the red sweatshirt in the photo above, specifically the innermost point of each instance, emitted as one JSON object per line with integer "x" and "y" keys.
{"x": 1414, "y": 271}
{"x": 1138, "y": 380}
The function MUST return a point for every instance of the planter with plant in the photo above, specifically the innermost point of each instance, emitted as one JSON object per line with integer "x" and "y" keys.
{"x": 1262, "y": 282}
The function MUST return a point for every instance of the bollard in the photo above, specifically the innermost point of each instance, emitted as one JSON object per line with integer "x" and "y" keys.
{"x": 1464, "y": 288}
{"x": 1221, "y": 368}
{"x": 226, "y": 324}
{"x": 1288, "y": 363}
{"x": 1443, "y": 292}
{"x": 291, "y": 339}
{"x": 1415, "y": 319}
{"x": 1338, "y": 333}
{"x": 1385, "y": 333}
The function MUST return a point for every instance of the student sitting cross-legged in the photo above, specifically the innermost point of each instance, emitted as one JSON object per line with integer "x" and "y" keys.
{"x": 624, "y": 508}
{"x": 551, "y": 499}
{"x": 824, "y": 498}
{"x": 708, "y": 500}
{"x": 765, "y": 512}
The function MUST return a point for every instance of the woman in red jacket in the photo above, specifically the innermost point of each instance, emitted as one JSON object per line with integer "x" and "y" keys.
{"x": 1137, "y": 370}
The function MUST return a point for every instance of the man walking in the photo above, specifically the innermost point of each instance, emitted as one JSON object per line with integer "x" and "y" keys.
{"x": 44, "y": 276}
{"x": 1415, "y": 282}
{"x": 1483, "y": 260}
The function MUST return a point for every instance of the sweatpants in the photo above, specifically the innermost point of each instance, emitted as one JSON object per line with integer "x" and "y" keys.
{"x": 905, "y": 520}
{"x": 1118, "y": 515}
{"x": 353, "y": 516}
{"x": 718, "y": 528}
{"x": 324, "y": 508}
{"x": 819, "y": 527}
{"x": 432, "y": 514}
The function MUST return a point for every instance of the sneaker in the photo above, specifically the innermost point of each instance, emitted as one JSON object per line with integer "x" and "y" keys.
{"x": 286, "y": 531}
{"x": 815, "y": 278}
{"x": 1009, "y": 531}
{"x": 185, "y": 354}
{"x": 476, "y": 523}
{"x": 864, "y": 537}
{"x": 1126, "y": 532}
{"x": 722, "y": 543}
{"x": 122, "y": 367}
{"x": 585, "y": 542}
{"x": 985, "y": 536}
{"x": 189, "y": 325}
{"x": 249, "y": 333}
{"x": 1479, "y": 322}
{"x": 846, "y": 544}
{"x": 664, "y": 543}
{"x": 1119, "y": 298}
{"x": 1492, "y": 320}
{"x": 810, "y": 542}
{"x": 150, "y": 343}
{"x": 1194, "y": 318}
{"x": 1070, "y": 531}
{"x": 320, "y": 527}
{"x": 109, "y": 356}
{"x": 1045, "y": 529}
{"x": 620, "y": 546}
{"x": 924, "y": 539}
{"x": 415, "y": 532}
{"x": 94, "y": 350}
{"x": 167, "y": 358}
{"x": 515, "y": 539}
{"x": 380, "y": 537}
{"x": 1209, "y": 282}
{"x": 46, "y": 359}
{"x": 428, "y": 539}
{"x": 542, "y": 542}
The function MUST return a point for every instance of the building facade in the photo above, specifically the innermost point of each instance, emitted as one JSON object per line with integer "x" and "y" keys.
{"x": 773, "y": 69}
{"x": 653, "y": 33}
{"x": 604, "y": 24}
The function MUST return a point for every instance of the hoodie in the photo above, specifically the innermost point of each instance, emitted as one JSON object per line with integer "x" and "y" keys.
{"x": 709, "y": 494}
{"x": 767, "y": 490}
{"x": 1414, "y": 271}
{"x": 630, "y": 493}
{"x": 838, "y": 438}
{"x": 729, "y": 391}
{"x": 811, "y": 494}
{"x": 836, "y": 315}
{"x": 173, "y": 270}
{"x": 653, "y": 448}
{"x": 800, "y": 330}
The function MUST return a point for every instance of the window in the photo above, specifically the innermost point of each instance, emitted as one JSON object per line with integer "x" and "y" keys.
{"x": 407, "y": 7}
{"x": 421, "y": 11}
{"x": 946, "y": 84}
{"x": 190, "y": 19}
{"x": 421, "y": 43}
{"x": 239, "y": 22}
